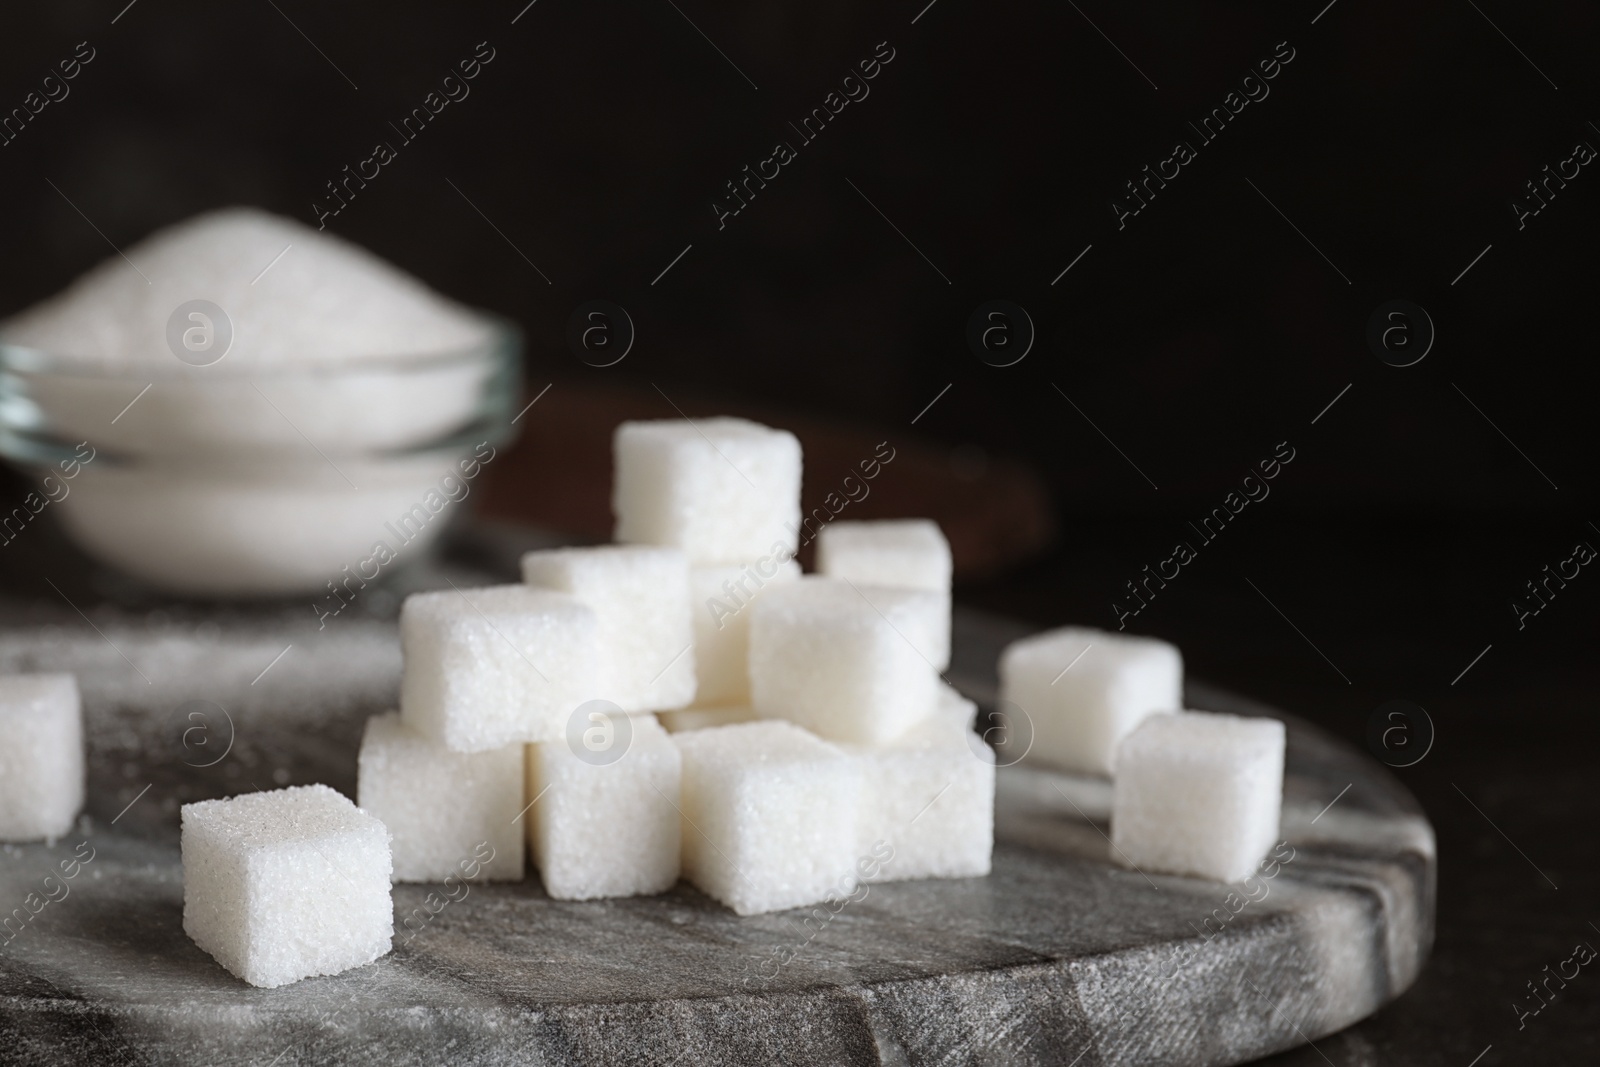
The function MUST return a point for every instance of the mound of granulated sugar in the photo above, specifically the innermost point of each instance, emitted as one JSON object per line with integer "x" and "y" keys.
{"x": 275, "y": 358}
{"x": 324, "y": 301}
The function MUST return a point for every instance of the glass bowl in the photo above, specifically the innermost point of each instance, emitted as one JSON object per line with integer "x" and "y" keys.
{"x": 228, "y": 480}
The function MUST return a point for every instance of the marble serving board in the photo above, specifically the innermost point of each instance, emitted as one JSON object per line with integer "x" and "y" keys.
{"x": 1060, "y": 956}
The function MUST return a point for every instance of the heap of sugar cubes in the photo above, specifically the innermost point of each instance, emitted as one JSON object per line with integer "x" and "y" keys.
{"x": 682, "y": 703}
{"x": 1194, "y": 792}
{"x": 685, "y": 704}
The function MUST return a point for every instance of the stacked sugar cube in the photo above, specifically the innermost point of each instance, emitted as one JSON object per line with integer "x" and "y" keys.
{"x": 930, "y": 796}
{"x": 910, "y": 554}
{"x": 440, "y": 805}
{"x": 604, "y": 820}
{"x": 726, "y": 493}
{"x": 819, "y": 727}
{"x": 1193, "y": 792}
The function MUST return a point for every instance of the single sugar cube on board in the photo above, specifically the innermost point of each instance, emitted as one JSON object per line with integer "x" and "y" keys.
{"x": 685, "y": 719}
{"x": 440, "y": 806}
{"x": 929, "y": 796}
{"x": 848, "y": 663}
{"x": 604, "y": 820}
{"x": 640, "y": 594}
{"x": 41, "y": 756}
{"x": 282, "y": 885}
{"x": 896, "y": 554}
{"x": 770, "y": 816}
{"x": 1198, "y": 793}
{"x": 724, "y": 490}
{"x": 1082, "y": 691}
{"x": 486, "y": 667}
{"x": 722, "y": 598}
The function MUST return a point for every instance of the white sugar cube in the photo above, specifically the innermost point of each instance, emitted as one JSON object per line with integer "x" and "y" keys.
{"x": 847, "y": 663}
{"x": 929, "y": 795}
{"x": 895, "y": 554}
{"x": 604, "y": 819}
{"x": 440, "y": 806}
{"x": 640, "y": 594}
{"x": 769, "y": 816}
{"x": 41, "y": 756}
{"x": 1198, "y": 793}
{"x": 487, "y": 667}
{"x": 1082, "y": 691}
{"x": 282, "y": 885}
{"x": 900, "y": 553}
{"x": 724, "y": 490}
{"x": 722, "y": 597}
{"x": 685, "y": 719}
{"x": 929, "y": 632}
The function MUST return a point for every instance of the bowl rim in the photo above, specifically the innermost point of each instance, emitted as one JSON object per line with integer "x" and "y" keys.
{"x": 502, "y": 340}
{"x": 499, "y": 355}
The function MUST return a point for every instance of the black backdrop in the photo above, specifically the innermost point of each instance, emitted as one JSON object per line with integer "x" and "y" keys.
{"x": 1224, "y": 317}
{"x": 1196, "y": 336}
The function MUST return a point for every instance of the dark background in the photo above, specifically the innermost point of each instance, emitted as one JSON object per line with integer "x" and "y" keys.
{"x": 1196, "y": 338}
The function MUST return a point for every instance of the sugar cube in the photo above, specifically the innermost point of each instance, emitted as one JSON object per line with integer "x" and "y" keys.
{"x": 929, "y": 633}
{"x": 770, "y": 816}
{"x": 41, "y": 756}
{"x": 724, "y": 490}
{"x": 685, "y": 719}
{"x": 441, "y": 805}
{"x": 896, "y": 554}
{"x": 845, "y": 662}
{"x": 640, "y": 595}
{"x": 722, "y": 597}
{"x": 900, "y": 553}
{"x": 929, "y": 795}
{"x": 487, "y": 667}
{"x": 604, "y": 819}
{"x": 1198, "y": 793}
{"x": 281, "y": 885}
{"x": 1084, "y": 690}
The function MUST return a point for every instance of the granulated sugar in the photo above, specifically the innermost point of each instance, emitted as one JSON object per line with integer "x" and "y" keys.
{"x": 325, "y": 301}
